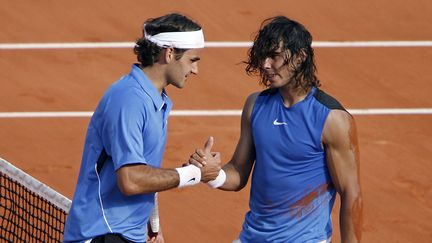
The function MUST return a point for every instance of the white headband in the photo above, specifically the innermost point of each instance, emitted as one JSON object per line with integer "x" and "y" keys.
{"x": 182, "y": 40}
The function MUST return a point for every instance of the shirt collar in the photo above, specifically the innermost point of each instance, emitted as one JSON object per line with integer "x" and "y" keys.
{"x": 158, "y": 100}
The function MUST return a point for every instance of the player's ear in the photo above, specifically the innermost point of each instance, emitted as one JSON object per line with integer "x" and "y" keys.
{"x": 302, "y": 55}
{"x": 169, "y": 54}
{"x": 299, "y": 58}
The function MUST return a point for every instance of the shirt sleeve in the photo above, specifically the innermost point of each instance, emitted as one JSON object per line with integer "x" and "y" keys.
{"x": 125, "y": 115}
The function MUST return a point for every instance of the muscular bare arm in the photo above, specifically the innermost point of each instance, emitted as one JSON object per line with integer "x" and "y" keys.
{"x": 341, "y": 145}
{"x": 239, "y": 167}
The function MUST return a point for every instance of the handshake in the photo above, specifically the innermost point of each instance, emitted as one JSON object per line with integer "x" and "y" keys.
{"x": 203, "y": 165}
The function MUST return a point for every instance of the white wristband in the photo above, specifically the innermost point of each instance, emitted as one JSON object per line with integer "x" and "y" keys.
{"x": 189, "y": 175}
{"x": 219, "y": 181}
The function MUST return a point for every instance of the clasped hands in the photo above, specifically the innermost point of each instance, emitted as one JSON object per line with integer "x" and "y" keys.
{"x": 209, "y": 162}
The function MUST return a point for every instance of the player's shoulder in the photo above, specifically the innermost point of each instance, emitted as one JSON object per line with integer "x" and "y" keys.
{"x": 251, "y": 99}
{"x": 338, "y": 117}
{"x": 267, "y": 92}
{"x": 338, "y": 126}
{"x": 250, "y": 103}
{"x": 262, "y": 96}
{"x": 327, "y": 100}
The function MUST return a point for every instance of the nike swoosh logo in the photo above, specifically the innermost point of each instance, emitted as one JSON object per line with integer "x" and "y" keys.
{"x": 276, "y": 123}
{"x": 193, "y": 179}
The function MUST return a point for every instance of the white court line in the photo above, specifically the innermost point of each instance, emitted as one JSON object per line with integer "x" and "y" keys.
{"x": 216, "y": 44}
{"x": 64, "y": 114}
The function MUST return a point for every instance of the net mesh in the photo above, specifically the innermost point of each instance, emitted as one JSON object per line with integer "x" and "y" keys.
{"x": 29, "y": 210}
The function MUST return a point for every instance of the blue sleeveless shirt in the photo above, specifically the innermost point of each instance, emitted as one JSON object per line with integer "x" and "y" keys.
{"x": 291, "y": 195}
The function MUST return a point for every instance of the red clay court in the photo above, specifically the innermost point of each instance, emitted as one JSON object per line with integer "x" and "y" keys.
{"x": 395, "y": 148}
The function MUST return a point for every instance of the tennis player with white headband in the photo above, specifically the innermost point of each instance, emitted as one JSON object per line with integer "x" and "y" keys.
{"x": 115, "y": 196}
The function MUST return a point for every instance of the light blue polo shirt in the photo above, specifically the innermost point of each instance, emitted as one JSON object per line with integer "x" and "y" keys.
{"x": 130, "y": 122}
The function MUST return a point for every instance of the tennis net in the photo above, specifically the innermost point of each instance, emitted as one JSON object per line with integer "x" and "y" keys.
{"x": 30, "y": 211}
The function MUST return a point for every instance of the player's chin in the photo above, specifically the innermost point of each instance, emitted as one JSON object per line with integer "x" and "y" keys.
{"x": 179, "y": 85}
{"x": 273, "y": 85}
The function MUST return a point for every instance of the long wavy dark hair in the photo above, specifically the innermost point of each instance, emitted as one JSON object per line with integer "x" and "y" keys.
{"x": 295, "y": 38}
{"x": 147, "y": 52}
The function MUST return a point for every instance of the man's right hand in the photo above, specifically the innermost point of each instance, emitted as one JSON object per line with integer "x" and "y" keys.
{"x": 209, "y": 162}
